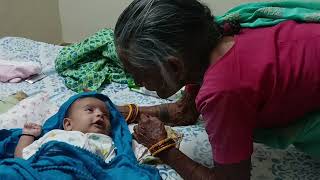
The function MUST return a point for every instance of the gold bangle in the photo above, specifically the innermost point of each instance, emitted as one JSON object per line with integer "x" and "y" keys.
{"x": 136, "y": 112}
{"x": 133, "y": 113}
{"x": 134, "y": 109}
{"x": 161, "y": 144}
{"x": 158, "y": 144}
{"x": 130, "y": 112}
{"x": 163, "y": 148}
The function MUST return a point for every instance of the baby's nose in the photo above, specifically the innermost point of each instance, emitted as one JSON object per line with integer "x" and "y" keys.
{"x": 98, "y": 112}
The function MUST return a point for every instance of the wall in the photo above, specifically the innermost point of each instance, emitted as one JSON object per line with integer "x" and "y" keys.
{"x": 34, "y": 19}
{"x": 81, "y": 18}
{"x": 56, "y": 21}
{"x": 219, "y": 7}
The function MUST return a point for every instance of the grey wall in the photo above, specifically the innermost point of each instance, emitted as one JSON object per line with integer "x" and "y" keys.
{"x": 33, "y": 19}
{"x": 58, "y": 21}
{"x": 80, "y": 18}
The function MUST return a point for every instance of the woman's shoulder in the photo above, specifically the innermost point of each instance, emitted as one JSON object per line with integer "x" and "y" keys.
{"x": 230, "y": 80}
{"x": 285, "y": 31}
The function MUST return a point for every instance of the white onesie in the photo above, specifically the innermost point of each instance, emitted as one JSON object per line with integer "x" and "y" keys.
{"x": 99, "y": 144}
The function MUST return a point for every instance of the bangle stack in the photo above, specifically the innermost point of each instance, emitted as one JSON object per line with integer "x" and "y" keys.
{"x": 161, "y": 146}
{"x": 133, "y": 113}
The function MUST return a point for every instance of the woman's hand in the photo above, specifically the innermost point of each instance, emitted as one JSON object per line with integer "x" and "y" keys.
{"x": 32, "y": 129}
{"x": 149, "y": 131}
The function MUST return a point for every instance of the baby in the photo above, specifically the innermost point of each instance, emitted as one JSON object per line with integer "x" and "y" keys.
{"x": 86, "y": 125}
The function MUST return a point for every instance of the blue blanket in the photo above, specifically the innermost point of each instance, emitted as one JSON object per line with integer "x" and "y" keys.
{"x": 57, "y": 160}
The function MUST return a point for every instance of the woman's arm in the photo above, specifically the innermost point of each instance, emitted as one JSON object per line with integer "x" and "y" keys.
{"x": 29, "y": 133}
{"x": 189, "y": 169}
{"x": 180, "y": 113}
{"x": 150, "y": 130}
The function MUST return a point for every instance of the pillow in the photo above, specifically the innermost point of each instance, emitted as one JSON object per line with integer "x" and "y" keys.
{"x": 34, "y": 109}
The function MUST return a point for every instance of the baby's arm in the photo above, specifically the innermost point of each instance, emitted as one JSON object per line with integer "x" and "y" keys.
{"x": 29, "y": 133}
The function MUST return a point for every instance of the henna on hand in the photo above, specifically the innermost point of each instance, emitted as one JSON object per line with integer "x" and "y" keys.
{"x": 149, "y": 131}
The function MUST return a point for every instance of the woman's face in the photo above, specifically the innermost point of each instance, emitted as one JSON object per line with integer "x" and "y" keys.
{"x": 151, "y": 78}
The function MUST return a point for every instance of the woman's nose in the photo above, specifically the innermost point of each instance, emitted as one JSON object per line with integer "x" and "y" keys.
{"x": 138, "y": 83}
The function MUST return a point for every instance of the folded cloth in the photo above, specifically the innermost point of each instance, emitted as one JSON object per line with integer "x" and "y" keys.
{"x": 10, "y": 101}
{"x": 14, "y": 71}
{"x": 303, "y": 134}
{"x": 269, "y": 13}
{"x": 91, "y": 63}
{"x": 61, "y": 160}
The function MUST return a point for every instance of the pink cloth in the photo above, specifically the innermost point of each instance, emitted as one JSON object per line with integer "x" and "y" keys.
{"x": 13, "y": 71}
{"x": 269, "y": 78}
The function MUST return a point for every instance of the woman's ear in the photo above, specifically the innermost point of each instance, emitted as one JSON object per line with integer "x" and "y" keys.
{"x": 176, "y": 66}
{"x": 67, "y": 124}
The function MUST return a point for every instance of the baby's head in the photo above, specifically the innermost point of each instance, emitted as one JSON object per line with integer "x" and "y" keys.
{"x": 88, "y": 115}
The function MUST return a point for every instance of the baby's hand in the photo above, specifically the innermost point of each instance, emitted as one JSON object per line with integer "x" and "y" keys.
{"x": 32, "y": 129}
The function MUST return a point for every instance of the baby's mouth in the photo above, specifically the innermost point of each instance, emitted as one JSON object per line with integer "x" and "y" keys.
{"x": 100, "y": 124}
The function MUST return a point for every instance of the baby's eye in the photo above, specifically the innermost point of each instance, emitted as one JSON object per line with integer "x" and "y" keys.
{"x": 89, "y": 109}
{"x": 105, "y": 114}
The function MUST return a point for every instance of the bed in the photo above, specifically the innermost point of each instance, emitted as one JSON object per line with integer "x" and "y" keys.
{"x": 267, "y": 163}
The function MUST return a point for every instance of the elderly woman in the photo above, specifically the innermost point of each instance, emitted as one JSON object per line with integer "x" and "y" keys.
{"x": 237, "y": 79}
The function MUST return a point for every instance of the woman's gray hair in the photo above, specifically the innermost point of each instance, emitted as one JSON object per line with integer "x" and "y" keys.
{"x": 148, "y": 32}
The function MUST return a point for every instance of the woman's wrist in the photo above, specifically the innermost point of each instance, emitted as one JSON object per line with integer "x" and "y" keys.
{"x": 168, "y": 154}
{"x": 178, "y": 113}
{"x": 163, "y": 113}
{"x": 149, "y": 110}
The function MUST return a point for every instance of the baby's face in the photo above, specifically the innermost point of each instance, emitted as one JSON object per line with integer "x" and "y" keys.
{"x": 89, "y": 115}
